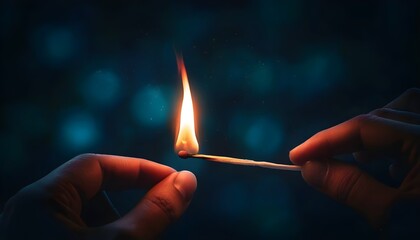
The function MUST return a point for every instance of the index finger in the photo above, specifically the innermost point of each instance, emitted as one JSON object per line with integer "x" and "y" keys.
{"x": 90, "y": 173}
{"x": 365, "y": 132}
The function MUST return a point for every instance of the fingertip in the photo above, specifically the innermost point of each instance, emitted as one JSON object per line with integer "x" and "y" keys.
{"x": 162, "y": 205}
{"x": 292, "y": 156}
{"x": 186, "y": 184}
{"x": 296, "y": 155}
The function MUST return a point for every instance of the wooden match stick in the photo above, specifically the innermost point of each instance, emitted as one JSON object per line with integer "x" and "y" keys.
{"x": 239, "y": 161}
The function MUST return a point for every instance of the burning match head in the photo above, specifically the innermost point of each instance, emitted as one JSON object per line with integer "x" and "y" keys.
{"x": 183, "y": 154}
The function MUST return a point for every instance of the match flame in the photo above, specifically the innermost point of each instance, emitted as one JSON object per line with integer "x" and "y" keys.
{"x": 186, "y": 139}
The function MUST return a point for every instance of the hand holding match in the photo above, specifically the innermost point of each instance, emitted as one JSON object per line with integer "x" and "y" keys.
{"x": 238, "y": 161}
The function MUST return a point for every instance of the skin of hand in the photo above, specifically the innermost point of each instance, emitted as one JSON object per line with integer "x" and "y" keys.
{"x": 393, "y": 130}
{"x": 70, "y": 202}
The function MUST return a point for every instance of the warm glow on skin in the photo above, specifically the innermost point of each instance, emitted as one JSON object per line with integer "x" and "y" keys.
{"x": 186, "y": 139}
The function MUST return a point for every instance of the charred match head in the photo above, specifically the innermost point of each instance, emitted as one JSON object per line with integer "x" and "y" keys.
{"x": 183, "y": 154}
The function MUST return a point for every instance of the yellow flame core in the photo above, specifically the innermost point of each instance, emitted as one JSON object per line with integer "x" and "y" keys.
{"x": 186, "y": 139}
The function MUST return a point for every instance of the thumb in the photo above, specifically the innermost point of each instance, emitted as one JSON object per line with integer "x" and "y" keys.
{"x": 162, "y": 205}
{"x": 349, "y": 185}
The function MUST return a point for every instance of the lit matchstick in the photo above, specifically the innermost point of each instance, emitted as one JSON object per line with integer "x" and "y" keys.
{"x": 238, "y": 161}
{"x": 186, "y": 144}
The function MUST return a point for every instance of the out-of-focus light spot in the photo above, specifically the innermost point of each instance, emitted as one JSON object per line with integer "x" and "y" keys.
{"x": 151, "y": 106}
{"x": 101, "y": 88}
{"x": 55, "y": 45}
{"x": 79, "y": 131}
{"x": 264, "y": 137}
{"x": 315, "y": 71}
{"x": 59, "y": 44}
{"x": 261, "y": 79}
{"x": 314, "y": 75}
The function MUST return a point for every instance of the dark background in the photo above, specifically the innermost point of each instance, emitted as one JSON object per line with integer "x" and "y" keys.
{"x": 101, "y": 77}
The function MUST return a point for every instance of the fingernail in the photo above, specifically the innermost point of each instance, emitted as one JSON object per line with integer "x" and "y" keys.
{"x": 186, "y": 183}
{"x": 295, "y": 155}
{"x": 291, "y": 153}
{"x": 293, "y": 150}
{"x": 314, "y": 173}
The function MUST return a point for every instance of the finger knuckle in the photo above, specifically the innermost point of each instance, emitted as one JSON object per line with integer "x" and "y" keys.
{"x": 362, "y": 118}
{"x": 380, "y": 112}
{"x": 164, "y": 205}
{"x": 412, "y": 93}
{"x": 347, "y": 185}
{"x": 85, "y": 156}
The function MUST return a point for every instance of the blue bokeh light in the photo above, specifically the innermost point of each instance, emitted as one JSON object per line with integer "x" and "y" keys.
{"x": 261, "y": 79}
{"x": 315, "y": 74}
{"x": 79, "y": 131}
{"x": 263, "y": 136}
{"x": 102, "y": 88}
{"x": 151, "y": 106}
{"x": 55, "y": 45}
{"x": 59, "y": 44}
